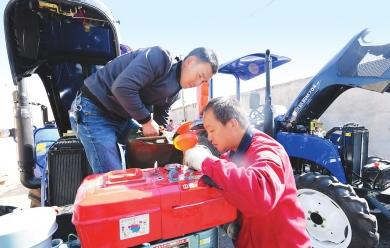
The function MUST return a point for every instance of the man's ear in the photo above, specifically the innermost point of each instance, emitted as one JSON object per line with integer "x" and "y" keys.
{"x": 189, "y": 60}
{"x": 233, "y": 123}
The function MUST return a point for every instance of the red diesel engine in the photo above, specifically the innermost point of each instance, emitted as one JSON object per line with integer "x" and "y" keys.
{"x": 130, "y": 207}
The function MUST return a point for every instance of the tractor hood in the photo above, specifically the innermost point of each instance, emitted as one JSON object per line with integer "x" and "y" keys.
{"x": 250, "y": 66}
{"x": 63, "y": 41}
{"x": 362, "y": 63}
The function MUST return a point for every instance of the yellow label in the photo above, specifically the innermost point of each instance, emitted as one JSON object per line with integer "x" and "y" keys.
{"x": 205, "y": 241}
{"x": 41, "y": 147}
{"x": 348, "y": 134}
{"x": 312, "y": 125}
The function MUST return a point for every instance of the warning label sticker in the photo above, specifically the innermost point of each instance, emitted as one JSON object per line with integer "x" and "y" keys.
{"x": 205, "y": 241}
{"x": 134, "y": 226}
{"x": 179, "y": 243}
{"x": 41, "y": 147}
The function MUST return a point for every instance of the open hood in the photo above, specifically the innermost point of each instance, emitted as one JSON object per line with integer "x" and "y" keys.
{"x": 250, "y": 66}
{"x": 362, "y": 63}
{"x": 63, "y": 41}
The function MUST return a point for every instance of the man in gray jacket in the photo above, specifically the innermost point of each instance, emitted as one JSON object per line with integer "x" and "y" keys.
{"x": 123, "y": 93}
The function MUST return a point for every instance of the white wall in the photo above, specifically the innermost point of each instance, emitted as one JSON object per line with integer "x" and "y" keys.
{"x": 367, "y": 108}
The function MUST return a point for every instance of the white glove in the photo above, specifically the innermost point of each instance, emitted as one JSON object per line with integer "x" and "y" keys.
{"x": 195, "y": 156}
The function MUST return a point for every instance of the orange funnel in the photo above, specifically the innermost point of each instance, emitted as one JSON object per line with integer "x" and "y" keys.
{"x": 185, "y": 141}
{"x": 185, "y": 127}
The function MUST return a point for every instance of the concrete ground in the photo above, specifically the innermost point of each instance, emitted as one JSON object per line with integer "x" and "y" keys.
{"x": 12, "y": 192}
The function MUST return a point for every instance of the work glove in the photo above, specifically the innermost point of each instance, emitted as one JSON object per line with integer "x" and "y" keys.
{"x": 206, "y": 180}
{"x": 195, "y": 156}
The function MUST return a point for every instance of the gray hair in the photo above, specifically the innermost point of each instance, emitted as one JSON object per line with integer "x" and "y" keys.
{"x": 206, "y": 55}
{"x": 227, "y": 108}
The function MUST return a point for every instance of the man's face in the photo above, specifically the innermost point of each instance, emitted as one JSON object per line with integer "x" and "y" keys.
{"x": 194, "y": 72}
{"x": 218, "y": 134}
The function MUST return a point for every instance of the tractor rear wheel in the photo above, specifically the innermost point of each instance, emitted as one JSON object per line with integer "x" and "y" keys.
{"x": 335, "y": 216}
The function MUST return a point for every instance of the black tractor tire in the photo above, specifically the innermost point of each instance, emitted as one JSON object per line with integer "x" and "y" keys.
{"x": 202, "y": 140}
{"x": 331, "y": 208}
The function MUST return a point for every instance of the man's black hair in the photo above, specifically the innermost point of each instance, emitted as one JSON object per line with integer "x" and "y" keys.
{"x": 227, "y": 108}
{"x": 206, "y": 55}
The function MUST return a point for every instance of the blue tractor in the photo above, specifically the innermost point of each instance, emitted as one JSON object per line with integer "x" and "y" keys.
{"x": 339, "y": 185}
{"x": 62, "y": 42}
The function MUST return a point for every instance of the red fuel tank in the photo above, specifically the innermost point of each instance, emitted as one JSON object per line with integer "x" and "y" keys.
{"x": 129, "y": 207}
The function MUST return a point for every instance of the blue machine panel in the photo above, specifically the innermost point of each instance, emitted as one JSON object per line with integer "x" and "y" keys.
{"x": 313, "y": 148}
{"x": 69, "y": 38}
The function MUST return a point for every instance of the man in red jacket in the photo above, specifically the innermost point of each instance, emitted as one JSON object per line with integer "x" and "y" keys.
{"x": 254, "y": 175}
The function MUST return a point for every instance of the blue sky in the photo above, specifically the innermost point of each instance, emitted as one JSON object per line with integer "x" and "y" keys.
{"x": 307, "y": 31}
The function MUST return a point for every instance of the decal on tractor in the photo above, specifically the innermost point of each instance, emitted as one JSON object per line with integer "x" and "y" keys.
{"x": 314, "y": 89}
{"x": 134, "y": 226}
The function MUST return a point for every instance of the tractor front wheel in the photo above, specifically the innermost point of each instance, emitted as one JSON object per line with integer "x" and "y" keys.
{"x": 335, "y": 216}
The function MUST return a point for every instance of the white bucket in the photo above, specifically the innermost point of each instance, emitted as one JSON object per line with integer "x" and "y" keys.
{"x": 32, "y": 227}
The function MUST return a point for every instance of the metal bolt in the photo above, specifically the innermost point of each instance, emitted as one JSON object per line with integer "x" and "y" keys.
{"x": 316, "y": 212}
{"x": 309, "y": 212}
{"x": 322, "y": 226}
{"x": 323, "y": 219}
{"x": 308, "y": 218}
{"x": 315, "y": 225}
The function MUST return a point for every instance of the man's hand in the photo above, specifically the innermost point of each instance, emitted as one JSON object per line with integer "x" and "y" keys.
{"x": 150, "y": 128}
{"x": 194, "y": 157}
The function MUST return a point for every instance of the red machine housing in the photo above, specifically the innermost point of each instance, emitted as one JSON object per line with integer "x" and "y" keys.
{"x": 130, "y": 207}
